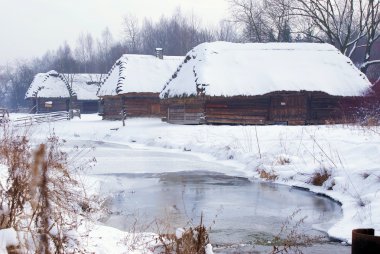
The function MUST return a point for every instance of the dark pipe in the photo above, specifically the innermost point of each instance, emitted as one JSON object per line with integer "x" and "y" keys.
{"x": 364, "y": 241}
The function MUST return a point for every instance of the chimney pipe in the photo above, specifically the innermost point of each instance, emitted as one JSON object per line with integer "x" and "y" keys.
{"x": 160, "y": 53}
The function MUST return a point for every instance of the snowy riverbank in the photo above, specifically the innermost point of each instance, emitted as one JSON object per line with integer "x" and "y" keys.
{"x": 291, "y": 155}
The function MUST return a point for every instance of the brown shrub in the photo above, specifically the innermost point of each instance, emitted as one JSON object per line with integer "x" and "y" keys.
{"x": 268, "y": 175}
{"x": 41, "y": 194}
{"x": 192, "y": 241}
{"x": 319, "y": 178}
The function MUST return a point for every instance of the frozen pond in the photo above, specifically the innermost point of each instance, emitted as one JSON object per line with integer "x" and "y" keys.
{"x": 158, "y": 190}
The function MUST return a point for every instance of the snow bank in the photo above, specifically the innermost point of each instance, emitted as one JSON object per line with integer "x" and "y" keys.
{"x": 139, "y": 73}
{"x": 104, "y": 240}
{"x": 229, "y": 69}
{"x": 56, "y": 85}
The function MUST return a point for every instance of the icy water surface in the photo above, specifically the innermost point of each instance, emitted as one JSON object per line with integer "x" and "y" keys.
{"x": 159, "y": 191}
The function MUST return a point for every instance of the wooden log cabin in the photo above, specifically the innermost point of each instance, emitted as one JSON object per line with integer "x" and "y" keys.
{"x": 254, "y": 83}
{"x": 53, "y": 91}
{"x": 133, "y": 85}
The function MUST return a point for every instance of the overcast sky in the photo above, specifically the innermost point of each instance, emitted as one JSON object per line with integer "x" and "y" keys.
{"x": 29, "y": 28}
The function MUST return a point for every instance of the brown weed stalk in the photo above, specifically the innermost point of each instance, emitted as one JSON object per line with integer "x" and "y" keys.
{"x": 41, "y": 200}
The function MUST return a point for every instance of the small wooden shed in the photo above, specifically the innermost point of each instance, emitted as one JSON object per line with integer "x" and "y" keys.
{"x": 261, "y": 83}
{"x": 133, "y": 85}
{"x": 53, "y": 91}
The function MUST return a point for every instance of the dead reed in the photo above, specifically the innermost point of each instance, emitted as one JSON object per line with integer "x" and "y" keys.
{"x": 41, "y": 198}
{"x": 190, "y": 241}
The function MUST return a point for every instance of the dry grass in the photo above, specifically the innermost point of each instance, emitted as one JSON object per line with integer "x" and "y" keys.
{"x": 192, "y": 241}
{"x": 267, "y": 175}
{"x": 282, "y": 160}
{"x": 291, "y": 239}
{"x": 319, "y": 178}
{"x": 41, "y": 197}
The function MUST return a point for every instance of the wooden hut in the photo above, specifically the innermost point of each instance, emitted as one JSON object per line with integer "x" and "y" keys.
{"x": 53, "y": 91}
{"x": 133, "y": 85}
{"x": 254, "y": 83}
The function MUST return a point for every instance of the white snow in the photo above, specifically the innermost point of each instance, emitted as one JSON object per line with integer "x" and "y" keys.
{"x": 230, "y": 69}
{"x": 55, "y": 85}
{"x": 294, "y": 153}
{"x": 8, "y": 237}
{"x": 209, "y": 249}
{"x": 179, "y": 232}
{"x": 139, "y": 73}
{"x": 86, "y": 86}
{"x": 105, "y": 240}
{"x": 47, "y": 85}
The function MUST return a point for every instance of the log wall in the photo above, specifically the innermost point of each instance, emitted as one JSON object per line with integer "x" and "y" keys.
{"x": 133, "y": 104}
{"x": 63, "y": 104}
{"x": 237, "y": 110}
{"x": 183, "y": 111}
{"x": 58, "y": 104}
{"x": 111, "y": 108}
{"x": 282, "y": 107}
{"x": 141, "y": 104}
{"x": 325, "y": 108}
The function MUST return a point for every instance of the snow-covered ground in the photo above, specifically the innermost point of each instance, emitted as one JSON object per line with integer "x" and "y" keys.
{"x": 292, "y": 153}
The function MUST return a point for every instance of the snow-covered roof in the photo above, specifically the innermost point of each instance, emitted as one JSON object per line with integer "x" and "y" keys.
{"x": 139, "y": 74}
{"x": 230, "y": 69}
{"x": 58, "y": 85}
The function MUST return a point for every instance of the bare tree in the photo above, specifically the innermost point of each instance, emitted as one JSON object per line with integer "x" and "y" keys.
{"x": 347, "y": 24}
{"x": 250, "y": 14}
{"x": 277, "y": 16}
{"x": 339, "y": 22}
{"x": 132, "y": 33}
{"x": 19, "y": 79}
{"x": 176, "y": 34}
{"x": 263, "y": 20}
{"x": 84, "y": 51}
{"x": 372, "y": 34}
{"x": 226, "y": 32}
{"x": 105, "y": 44}
{"x": 64, "y": 60}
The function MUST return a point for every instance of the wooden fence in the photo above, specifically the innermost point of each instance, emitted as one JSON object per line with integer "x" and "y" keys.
{"x": 41, "y": 118}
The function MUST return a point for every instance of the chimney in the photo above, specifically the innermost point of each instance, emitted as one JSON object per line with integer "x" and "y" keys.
{"x": 160, "y": 53}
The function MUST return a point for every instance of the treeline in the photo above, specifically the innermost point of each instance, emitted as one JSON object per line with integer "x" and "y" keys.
{"x": 352, "y": 26}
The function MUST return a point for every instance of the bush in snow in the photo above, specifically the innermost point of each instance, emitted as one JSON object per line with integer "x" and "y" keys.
{"x": 369, "y": 115}
{"x": 267, "y": 175}
{"x": 187, "y": 241}
{"x": 320, "y": 177}
{"x": 40, "y": 197}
